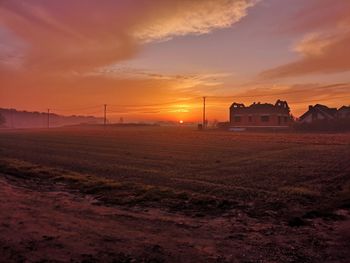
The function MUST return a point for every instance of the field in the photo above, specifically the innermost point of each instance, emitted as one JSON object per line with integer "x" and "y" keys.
{"x": 160, "y": 194}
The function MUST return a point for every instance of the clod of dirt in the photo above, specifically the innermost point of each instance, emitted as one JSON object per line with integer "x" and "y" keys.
{"x": 324, "y": 215}
{"x": 297, "y": 222}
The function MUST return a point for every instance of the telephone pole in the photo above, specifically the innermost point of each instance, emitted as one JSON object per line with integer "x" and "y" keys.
{"x": 204, "y": 117}
{"x": 48, "y": 118}
{"x": 105, "y": 115}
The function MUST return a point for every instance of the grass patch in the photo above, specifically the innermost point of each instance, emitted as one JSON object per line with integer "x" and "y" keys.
{"x": 112, "y": 192}
{"x": 344, "y": 196}
{"x": 299, "y": 191}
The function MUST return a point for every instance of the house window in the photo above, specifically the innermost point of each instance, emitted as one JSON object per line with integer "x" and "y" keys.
{"x": 265, "y": 118}
{"x": 250, "y": 118}
{"x": 237, "y": 118}
{"x": 285, "y": 119}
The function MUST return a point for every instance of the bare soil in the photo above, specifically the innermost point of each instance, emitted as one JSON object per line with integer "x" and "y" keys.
{"x": 152, "y": 194}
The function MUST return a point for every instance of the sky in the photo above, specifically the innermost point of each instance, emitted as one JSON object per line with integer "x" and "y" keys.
{"x": 156, "y": 59}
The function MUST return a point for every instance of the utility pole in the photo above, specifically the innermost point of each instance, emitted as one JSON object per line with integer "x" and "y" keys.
{"x": 48, "y": 118}
{"x": 204, "y": 120}
{"x": 105, "y": 115}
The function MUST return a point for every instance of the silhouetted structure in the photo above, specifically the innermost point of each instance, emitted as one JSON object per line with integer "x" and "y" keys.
{"x": 318, "y": 113}
{"x": 260, "y": 115}
{"x": 344, "y": 112}
{"x": 323, "y": 118}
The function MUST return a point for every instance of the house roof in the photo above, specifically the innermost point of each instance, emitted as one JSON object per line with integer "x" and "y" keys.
{"x": 344, "y": 108}
{"x": 326, "y": 112}
{"x": 266, "y": 108}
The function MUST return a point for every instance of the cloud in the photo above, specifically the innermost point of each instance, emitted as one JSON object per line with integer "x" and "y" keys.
{"x": 317, "y": 15}
{"x": 10, "y": 57}
{"x": 183, "y": 81}
{"x": 314, "y": 45}
{"x": 80, "y": 35}
{"x": 323, "y": 54}
{"x": 323, "y": 51}
{"x": 179, "y": 18}
{"x": 59, "y": 40}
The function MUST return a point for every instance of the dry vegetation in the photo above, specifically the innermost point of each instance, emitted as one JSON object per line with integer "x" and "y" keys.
{"x": 226, "y": 197}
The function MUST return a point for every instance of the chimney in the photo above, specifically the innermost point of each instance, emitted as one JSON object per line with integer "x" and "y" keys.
{"x": 310, "y": 107}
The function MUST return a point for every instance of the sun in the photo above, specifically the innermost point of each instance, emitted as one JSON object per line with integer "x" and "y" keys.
{"x": 181, "y": 121}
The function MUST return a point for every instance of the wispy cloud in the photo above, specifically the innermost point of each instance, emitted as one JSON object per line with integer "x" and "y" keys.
{"x": 179, "y": 18}
{"x": 323, "y": 51}
{"x": 181, "y": 81}
{"x": 81, "y": 35}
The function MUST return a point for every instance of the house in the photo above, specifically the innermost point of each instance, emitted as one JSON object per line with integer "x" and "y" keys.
{"x": 260, "y": 115}
{"x": 319, "y": 113}
{"x": 344, "y": 112}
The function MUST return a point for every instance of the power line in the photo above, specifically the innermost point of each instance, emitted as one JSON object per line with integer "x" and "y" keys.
{"x": 155, "y": 104}
{"x": 141, "y": 107}
{"x": 157, "y": 108}
{"x": 78, "y": 109}
{"x": 88, "y": 113}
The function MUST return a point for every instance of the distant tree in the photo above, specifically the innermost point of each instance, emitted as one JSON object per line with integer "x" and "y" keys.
{"x": 2, "y": 120}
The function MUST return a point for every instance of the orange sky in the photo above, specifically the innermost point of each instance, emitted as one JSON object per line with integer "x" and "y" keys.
{"x": 154, "y": 60}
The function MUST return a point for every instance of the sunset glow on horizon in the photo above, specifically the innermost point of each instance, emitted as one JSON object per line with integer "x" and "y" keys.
{"x": 155, "y": 60}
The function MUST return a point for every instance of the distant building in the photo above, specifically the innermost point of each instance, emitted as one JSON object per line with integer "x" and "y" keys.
{"x": 344, "y": 112}
{"x": 323, "y": 118}
{"x": 263, "y": 115}
{"x": 319, "y": 113}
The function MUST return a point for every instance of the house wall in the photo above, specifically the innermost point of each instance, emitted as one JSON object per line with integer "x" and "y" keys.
{"x": 312, "y": 116}
{"x": 317, "y": 114}
{"x": 307, "y": 119}
{"x": 344, "y": 114}
{"x": 320, "y": 117}
{"x": 256, "y": 120}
